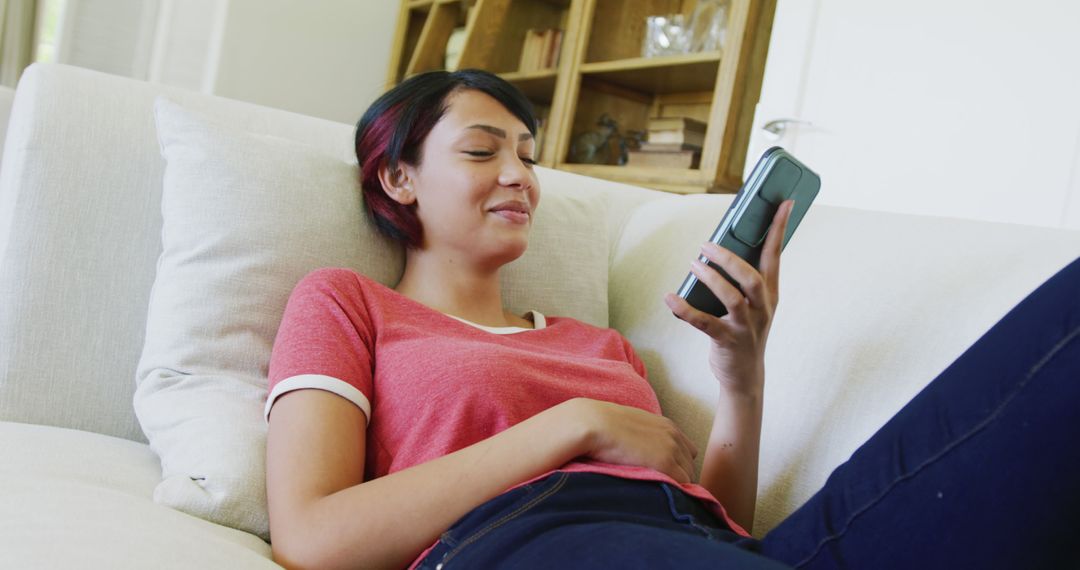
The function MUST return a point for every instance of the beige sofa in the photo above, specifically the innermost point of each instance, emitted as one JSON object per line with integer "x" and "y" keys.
{"x": 873, "y": 305}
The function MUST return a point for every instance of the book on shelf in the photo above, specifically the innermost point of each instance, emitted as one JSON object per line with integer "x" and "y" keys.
{"x": 542, "y": 113}
{"x": 551, "y": 60}
{"x": 676, "y": 131}
{"x": 540, "y": 50}
{"x": 677, "y": 137}
{"x": 670, "y": 159}
{"x": 676, "y": 124}
{"x": 668, "y": 147}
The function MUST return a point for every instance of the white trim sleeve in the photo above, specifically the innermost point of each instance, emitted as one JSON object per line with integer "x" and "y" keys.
{"x": 539, "y": 322}
{"x": 319, "y": 382}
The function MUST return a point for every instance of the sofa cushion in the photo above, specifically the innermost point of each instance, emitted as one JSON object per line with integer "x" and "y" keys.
{"x": 74, "y": 499}
{"x": 245, "y": 218}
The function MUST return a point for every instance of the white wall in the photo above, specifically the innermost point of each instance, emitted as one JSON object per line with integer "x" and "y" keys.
{"x": 966, "y": 108}
{"x": 187, "y": 42}
{"x": 325, "y": 58}
{"x": 113, "y": 36}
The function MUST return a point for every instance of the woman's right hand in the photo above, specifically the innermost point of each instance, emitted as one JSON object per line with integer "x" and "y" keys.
{"x": 626, "y": 435}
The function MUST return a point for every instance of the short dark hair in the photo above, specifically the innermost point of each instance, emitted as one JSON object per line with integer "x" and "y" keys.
{"x": 393, "y": 129}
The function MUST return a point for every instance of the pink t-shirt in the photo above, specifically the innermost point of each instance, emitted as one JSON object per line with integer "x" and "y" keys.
{"x": 431, "y": 384}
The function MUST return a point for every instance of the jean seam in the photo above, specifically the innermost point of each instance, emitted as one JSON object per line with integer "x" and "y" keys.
{"x": 507, "y": 518}
{"x": 948, "y": 448}
{"x": 683, "y": 517}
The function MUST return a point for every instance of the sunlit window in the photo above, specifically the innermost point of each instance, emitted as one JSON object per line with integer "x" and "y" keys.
{"x": 51, "y": 15}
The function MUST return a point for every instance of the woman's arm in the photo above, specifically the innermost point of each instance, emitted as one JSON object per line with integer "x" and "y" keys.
{"x": 323, "y": 515}
{"x": 730, "y": 469}
{"x": 737, "y": 360}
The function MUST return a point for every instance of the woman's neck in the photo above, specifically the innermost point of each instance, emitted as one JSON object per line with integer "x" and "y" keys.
{"x": 456, "y": 288}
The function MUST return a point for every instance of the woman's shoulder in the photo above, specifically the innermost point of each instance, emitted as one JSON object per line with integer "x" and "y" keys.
{"x": 347, "y": 285}
{"x": 338, "y": 277}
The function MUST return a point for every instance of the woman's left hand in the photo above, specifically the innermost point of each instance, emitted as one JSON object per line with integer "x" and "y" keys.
{"x": 737, "y": 350}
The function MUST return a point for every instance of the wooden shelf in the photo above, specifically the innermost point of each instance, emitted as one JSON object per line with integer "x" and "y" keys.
{"x": 430, "y": 50}
{"x": 679, "y": 180}
{"x": 668, "y": 74}
{"x": 539, "y": 86}
{"x": 599, "y": 72}
{"x": 424, "y": 4}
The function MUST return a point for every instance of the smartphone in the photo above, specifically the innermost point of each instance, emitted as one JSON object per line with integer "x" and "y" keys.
{"x": 776, "y": 177}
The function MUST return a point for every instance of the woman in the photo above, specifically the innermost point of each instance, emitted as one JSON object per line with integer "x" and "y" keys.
{"x": 426, "y": 426}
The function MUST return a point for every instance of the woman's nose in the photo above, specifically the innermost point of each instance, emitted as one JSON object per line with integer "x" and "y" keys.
{"x": 515, "y": 173}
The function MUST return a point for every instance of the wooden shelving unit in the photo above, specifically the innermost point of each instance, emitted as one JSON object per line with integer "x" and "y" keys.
{"x": 600, "y": 71}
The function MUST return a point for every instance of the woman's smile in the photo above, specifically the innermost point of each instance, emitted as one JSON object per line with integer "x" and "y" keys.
{"x": 513, "y": 211}
{"x": 512, "y": 216}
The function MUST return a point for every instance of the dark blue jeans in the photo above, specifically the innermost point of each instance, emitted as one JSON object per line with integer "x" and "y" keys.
{"x": 980, "y": 470}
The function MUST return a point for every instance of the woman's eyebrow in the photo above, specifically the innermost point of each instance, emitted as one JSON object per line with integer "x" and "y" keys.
{"x": 499, "y": 132}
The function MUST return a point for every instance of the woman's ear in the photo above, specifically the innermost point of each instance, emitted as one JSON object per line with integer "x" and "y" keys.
{"x": 397, "y": 184}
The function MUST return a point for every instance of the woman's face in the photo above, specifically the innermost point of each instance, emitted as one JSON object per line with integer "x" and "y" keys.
{"x": 475, "y": 187}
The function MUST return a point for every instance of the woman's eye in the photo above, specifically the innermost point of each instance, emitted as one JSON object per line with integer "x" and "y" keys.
{"x": 487, "y": 154}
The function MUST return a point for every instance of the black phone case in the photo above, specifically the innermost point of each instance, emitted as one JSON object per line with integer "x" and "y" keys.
{"x": 777, "y": 176}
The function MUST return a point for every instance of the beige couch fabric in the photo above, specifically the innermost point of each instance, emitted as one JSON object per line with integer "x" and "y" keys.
{"x": 872, "y": 307}
{"x": 74, "y": 499}
{"x": 80, "y": 234}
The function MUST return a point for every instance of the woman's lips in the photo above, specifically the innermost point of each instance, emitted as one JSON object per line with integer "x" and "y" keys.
{"x": 513, "y": 216}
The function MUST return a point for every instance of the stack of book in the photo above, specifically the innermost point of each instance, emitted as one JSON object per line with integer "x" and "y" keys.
{"x": 541, "y": 50}
{"x": 542, "y": 113}
{"x": 672, "y": 142}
